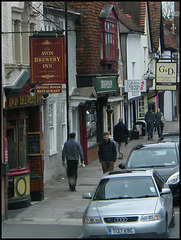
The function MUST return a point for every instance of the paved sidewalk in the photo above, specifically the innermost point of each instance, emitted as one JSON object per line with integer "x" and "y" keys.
{"x": 62, "y": 206}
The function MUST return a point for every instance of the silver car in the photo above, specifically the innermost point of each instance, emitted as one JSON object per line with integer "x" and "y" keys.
{"x": 129, "y": 203}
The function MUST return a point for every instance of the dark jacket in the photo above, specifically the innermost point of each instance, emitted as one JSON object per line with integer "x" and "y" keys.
{"x": 71, "y": 150}
{"x": 107, "y": 151}
{"x": 158, "y": 122}
{"x": 150, "y": 118}
{"x": 120, "y": 132}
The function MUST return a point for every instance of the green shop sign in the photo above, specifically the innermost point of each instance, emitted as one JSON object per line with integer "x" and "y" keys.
{"x": 106, "y": 84}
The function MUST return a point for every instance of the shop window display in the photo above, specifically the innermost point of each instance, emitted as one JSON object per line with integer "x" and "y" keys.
{"x": 91, "y": 128}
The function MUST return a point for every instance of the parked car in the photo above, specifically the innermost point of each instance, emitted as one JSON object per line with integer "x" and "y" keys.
{"x": 164, "y": 157}
{"x": 129, "y": 203}
{"x": 170, "y": 137}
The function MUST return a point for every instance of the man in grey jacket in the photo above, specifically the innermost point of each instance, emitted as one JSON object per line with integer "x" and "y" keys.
{"x": 150, "y": 120}
{"x": 71, "y": 151}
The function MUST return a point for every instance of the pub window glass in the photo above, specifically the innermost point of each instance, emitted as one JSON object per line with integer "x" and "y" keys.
{"x": 22, "y": 143}
{"x": 17, "y": 144}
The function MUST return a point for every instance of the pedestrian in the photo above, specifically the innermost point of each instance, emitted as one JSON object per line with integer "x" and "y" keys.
{"x": 120, "y": 135}
{"x": 71, "y": 151}
{"x": 107, "y": 153}
{"x": 159, "y": 122}
{"x": 150, "y": 120}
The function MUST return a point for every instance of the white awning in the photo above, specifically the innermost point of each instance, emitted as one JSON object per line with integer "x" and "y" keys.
{"x": 82, "y": 95}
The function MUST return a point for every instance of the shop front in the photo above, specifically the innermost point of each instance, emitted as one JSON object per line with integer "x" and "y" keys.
{"x": 96, "y": 114}
{"x": 23, "y": 123}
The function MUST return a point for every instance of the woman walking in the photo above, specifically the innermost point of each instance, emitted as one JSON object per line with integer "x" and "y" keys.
{"x": 159, "y": 124}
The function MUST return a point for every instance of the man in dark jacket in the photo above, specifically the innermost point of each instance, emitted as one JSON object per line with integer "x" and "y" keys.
{"x": 150, "y": 120}
{"x": 120, "y": 134}
{"x": 107, "y": 153}
{"x": 72, "y": 150}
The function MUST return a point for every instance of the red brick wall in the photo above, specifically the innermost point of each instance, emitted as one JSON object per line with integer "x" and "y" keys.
{"x": 88, "y": 39}
{"x": 154, "y": 8}
{"x": 177, "y": 18}
{"x": 92, "y": 153}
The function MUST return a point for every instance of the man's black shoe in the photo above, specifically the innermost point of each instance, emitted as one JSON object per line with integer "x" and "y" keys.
{"x": 73, "y": 190}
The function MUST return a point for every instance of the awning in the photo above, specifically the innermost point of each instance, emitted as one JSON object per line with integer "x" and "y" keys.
{"x": 82, "y": 95}
{"x": 18, "y": 86}
{"x": 113, "y": 99}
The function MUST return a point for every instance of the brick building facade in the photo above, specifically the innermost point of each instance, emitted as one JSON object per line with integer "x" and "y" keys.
{"x": 89, "y": 39}
{"x": 96, "y": 30}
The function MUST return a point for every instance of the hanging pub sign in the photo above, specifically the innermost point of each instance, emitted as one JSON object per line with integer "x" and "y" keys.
{"x": 47, "y": 60}
{"x": 166, "y": 72}
{"x": 166, "y": 76}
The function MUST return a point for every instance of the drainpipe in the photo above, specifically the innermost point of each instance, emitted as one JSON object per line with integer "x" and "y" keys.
{"x": 67, "y": 78}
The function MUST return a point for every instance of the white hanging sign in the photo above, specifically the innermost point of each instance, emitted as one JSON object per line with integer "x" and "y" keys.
{"x": 135, "y": 85}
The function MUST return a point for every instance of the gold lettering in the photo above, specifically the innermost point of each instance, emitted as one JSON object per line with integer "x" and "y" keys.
{"x": 58, "y": 59}
{"x": 47, "y": 53}
{"x": 16, "y": 101}
{"x": 11, "y": 102}
{"x": 47, "y": 65}
{"x": 39, "y": 98}
{"x": 25, "y": 99}
{"x": 21, "y": 102}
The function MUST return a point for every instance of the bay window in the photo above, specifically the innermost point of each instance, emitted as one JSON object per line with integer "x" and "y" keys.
{"x": 108, "y": 40}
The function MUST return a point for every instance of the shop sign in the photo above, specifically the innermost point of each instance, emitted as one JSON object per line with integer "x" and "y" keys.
{"x": 106, "y": 84}
{"x": 166, "y": 72}
{"x": 24, "y": 100}
{"x": 44, "y": 89}
{"x": 34, "y": 143}
{"x": 132, "y": 95}
{"x": 166, "y": 87}
{"x": 135, "y": 85}
{"x": 47, "y": 60}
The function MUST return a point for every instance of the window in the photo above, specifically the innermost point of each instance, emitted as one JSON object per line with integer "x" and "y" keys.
{"x": 17, "y": 143}
{"x": 159, "y": 181}
{"x": 108, "y": 40}
{"x": 91, "y": 119}
{"x": 52, "y": 128}
{"x": 125, "y": 187}
{"x": 141, "y": 108}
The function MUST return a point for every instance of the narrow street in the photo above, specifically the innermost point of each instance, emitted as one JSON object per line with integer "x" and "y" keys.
{"x": 59, "y": 214}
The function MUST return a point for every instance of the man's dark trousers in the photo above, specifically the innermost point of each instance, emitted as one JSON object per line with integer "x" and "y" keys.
{"x": 72, "y": 173}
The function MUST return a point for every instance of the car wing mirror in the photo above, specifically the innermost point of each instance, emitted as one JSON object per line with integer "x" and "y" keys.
{"x": 122, "y": 166}
{"x": 86, "y": 195}
{"x": 165, "y": 191}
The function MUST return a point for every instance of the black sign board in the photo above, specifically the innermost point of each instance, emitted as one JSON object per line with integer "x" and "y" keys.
{"x": 34, "y": 143}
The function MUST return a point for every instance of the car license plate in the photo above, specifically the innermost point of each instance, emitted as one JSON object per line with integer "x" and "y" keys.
{"x": 118, "y": 231}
